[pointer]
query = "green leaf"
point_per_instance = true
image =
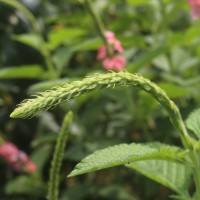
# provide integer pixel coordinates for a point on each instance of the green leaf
(173, 175)
(62, 57)
(162, 63)
(46, 85)
(60, 36)
(23, 71)
(138, 2)
(89, 44)
(193, 122)
(187, 84)
(173, 90)
(180, 39)
(25, 185)
(40, 157)
(32, 40)
(182, 60)
(125, 153)
(147, 57)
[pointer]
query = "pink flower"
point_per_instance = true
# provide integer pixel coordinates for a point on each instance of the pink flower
(195, 8)
(17, 159)
(115, 61)
(194, 2)
(31, 167)
(102, 53)
(110, 36)
(8, 151)
(118, 46)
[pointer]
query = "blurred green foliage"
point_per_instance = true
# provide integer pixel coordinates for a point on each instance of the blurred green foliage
(161, 42)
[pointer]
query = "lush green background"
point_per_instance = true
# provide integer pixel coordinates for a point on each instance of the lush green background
(161, 42)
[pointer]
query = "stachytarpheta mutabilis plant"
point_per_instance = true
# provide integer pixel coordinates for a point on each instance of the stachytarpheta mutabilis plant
(172, 166)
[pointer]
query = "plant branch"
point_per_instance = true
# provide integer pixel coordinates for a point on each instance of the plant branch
(99, 25)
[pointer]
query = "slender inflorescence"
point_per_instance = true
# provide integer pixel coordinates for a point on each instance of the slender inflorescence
(53, 97)
(57, 158)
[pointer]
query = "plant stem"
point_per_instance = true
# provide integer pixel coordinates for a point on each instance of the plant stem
(57, 158)
(187, 144)
(99, 25)
(48, 61)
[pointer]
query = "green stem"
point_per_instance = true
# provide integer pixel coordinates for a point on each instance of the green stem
(99, 25)
(193, 155)
(48, 61)
(54, 178)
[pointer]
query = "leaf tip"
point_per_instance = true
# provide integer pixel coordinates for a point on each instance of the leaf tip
(71, 174)
(75, 172)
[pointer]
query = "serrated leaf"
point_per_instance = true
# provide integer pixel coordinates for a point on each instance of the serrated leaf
(193, 122)
(23, 71)
(126, 153)
(173, 175)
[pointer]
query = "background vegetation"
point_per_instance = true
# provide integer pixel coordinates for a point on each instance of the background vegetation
(161, 42)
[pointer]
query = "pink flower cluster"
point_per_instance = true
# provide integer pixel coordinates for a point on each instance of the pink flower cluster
(195, 5)
(17, 159)
(116, 62)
